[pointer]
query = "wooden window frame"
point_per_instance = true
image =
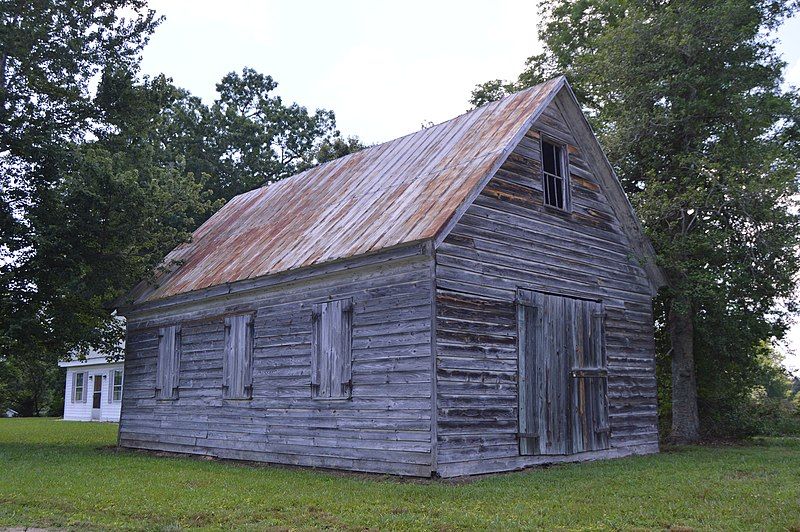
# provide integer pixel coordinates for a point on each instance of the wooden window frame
(345, 343)
(566, 185)
(245, 364)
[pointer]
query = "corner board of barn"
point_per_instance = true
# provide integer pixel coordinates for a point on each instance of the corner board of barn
(474, 297)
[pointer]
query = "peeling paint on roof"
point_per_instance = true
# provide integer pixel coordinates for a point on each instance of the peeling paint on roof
(402, 191)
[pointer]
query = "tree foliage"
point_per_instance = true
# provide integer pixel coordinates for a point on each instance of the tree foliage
(248, 137)
(330, 149)
(103, 171)
(687, 100)
(49, 54)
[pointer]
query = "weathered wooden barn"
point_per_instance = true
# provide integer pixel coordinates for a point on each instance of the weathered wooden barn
(472, 297)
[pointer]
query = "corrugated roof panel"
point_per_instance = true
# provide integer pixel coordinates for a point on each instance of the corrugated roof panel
(398, 192)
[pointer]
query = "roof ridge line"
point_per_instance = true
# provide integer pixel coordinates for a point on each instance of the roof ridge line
(369, 148)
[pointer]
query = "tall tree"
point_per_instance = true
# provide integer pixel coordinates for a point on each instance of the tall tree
(49, 53)
(248, 137)
(687, 98)
(330, 149)
(103, 171)
(85, 208)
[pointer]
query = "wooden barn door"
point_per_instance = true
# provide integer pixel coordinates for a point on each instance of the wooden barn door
(563, 405)
(588, 394)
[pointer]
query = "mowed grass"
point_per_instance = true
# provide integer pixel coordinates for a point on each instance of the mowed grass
(62, 474)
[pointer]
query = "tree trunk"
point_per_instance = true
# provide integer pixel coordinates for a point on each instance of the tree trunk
(685, 418)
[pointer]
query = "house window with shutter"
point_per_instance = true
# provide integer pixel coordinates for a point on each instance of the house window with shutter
(116, 385)
(555, 175)
(237, 366)
(169, 358)
(79, 387)
(331, 357)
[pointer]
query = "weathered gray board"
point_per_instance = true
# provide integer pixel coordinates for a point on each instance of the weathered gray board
(385, 427)
(508, 240)
(401, 420)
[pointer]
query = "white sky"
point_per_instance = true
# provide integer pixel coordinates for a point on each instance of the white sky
(384, 68)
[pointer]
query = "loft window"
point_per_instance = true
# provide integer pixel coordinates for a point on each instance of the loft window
(554, 173)
(331, 355)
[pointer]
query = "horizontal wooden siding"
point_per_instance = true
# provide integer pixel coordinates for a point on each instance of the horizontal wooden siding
(385, 427)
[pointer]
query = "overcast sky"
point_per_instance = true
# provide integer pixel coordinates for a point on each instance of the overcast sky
(384, 68)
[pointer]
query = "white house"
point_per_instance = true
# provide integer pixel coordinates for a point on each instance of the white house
(94, 388)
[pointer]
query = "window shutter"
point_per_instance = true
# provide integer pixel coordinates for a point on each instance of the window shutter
(328, 352)
(84, 393)
(316, 347)
(168, 366)
(74, 377)
(226, 358)
(331, 353)
(110, 387)
(345, 355)
(176, 363)
(247, 378)
(237, 370)
(164, 347)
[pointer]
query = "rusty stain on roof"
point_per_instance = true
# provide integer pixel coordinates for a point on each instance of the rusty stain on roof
(402, 191)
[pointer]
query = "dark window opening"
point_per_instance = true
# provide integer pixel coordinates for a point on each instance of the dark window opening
(553, 167)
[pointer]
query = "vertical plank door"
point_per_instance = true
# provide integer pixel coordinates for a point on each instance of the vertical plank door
(589, 423)
(563, 405)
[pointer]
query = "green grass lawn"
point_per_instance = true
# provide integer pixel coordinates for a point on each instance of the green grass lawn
(61, 474)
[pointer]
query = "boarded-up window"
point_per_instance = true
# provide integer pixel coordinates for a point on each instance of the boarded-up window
(554, 175)
(79, 387)
(169, 360)
(563, 379)
(331, 357)
(237, 365)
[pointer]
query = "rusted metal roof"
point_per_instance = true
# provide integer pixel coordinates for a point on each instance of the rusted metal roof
(402, 191)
